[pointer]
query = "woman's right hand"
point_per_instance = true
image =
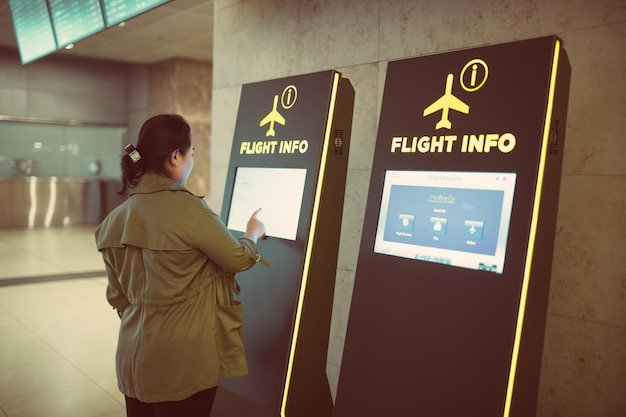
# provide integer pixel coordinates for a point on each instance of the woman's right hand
(255, 229)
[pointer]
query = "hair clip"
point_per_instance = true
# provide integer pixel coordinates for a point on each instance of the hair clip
(132, 152)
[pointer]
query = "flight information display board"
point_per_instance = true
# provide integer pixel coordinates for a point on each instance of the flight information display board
(74, 21)
(44, 26)
(33, 29)
(117, 11)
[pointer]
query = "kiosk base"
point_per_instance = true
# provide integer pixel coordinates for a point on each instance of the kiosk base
(230, 404)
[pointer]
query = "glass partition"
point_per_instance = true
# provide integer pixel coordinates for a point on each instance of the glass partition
(51, 150)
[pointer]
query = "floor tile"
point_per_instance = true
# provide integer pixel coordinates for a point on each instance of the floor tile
(117, 414)
(25, 352)
(37, 376)
(96, 366)
(48, 251)
(85, 339)
(57, 332)
(57, 335)
(78, 400)
(110, 386)
(12, 330)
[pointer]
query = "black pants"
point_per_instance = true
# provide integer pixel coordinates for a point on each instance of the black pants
(198, 405)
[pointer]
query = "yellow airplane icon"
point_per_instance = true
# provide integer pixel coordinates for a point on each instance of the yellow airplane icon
(445, 103)
(271, 118)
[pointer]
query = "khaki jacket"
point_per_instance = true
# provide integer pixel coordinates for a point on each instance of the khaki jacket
(171, 262)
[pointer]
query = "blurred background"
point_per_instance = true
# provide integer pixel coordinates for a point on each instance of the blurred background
(66, 115)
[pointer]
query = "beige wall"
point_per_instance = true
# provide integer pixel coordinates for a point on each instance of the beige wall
(584, 362)
(184, 87)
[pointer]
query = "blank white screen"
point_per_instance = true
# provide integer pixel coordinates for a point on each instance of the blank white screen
(277, 191)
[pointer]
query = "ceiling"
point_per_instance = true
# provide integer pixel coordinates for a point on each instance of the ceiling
(178, 29)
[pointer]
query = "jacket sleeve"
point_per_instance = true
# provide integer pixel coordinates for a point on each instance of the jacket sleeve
(215, 241)
(115, 295)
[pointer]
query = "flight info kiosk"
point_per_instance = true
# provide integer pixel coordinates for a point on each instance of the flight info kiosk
(451, 288)
(289, 158)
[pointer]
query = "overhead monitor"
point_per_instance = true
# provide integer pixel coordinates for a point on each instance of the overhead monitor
(74, 20)
(117, 11)
(44, 26)
(455, 218)
(277, 191)
(33, 29)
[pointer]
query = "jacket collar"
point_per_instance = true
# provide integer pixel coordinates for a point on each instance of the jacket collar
(152, 183)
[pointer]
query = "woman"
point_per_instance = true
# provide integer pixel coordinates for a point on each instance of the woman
(171, 262)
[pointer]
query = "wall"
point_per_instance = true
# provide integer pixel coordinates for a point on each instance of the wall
(71, 105)
(63, 89)
(584, 361)
(73, 91)
(184, 87)
(64, 114)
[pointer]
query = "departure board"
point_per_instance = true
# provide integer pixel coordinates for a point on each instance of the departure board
(117, 11)
(75, 20)
(44, 26)
(33, 29)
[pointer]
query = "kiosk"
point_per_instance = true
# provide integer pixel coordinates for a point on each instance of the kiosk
(289, 158)
(452, 280)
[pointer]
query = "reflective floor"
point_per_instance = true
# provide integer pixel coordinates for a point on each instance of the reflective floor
(57, 333)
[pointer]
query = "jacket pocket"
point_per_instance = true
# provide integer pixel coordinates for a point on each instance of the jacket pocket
(229, 338)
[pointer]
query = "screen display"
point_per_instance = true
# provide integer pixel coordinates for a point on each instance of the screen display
(117, 11)
(74, 21)
(455, 218)
(277, 191)
(33, 29)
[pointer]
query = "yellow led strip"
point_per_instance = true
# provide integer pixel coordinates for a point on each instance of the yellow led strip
(309, 246)
(533, 233)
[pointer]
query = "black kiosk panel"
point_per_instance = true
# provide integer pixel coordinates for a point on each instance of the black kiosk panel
(450, 294)
(289, 158)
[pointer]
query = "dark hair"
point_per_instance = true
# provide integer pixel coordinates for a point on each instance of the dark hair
(159, 136)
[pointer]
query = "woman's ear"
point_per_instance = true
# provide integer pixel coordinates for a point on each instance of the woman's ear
(175, 157)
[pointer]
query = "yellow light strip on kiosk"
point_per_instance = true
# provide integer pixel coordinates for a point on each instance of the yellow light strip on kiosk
(533, 233)
(309, 246)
